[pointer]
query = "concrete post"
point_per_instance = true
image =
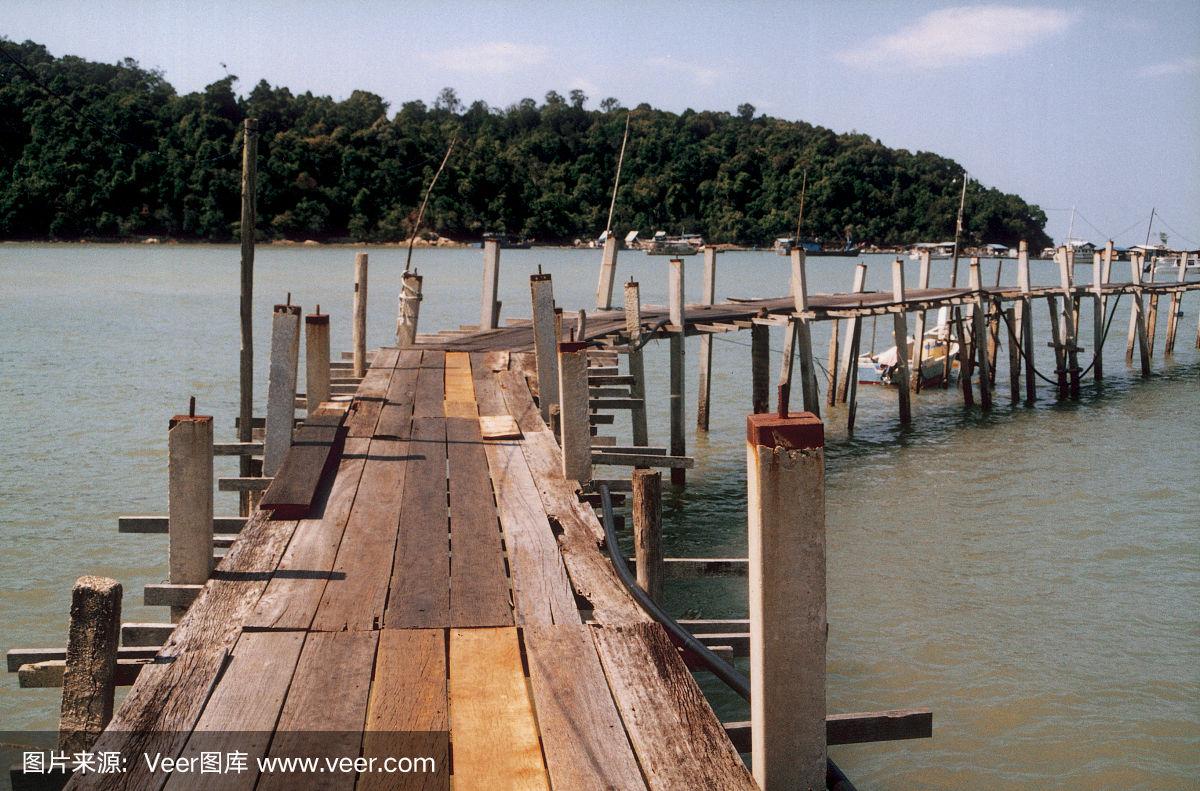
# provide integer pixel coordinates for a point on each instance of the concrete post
(573, 405)
(488, 311)
(190, 499)
(545, 341)
(89, 678)
(608, 273)
(316, 359)
(281, 385)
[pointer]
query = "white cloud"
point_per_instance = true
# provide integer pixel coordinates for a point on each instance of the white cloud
(490, 57)
(953, 35)
(1189, 65)
(704, 76)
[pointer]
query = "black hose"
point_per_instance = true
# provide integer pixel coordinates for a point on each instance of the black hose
(835, 779)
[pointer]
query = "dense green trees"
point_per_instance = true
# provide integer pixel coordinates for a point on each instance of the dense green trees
(99, 150)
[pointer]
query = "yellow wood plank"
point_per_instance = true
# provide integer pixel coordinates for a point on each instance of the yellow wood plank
(492, 726)
(499, 427)
(459, 400)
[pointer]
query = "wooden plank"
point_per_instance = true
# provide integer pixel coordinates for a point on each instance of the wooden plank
(356, 593)
(326, 707)
(678, 740)
(295, 590)
(541, 590)
(192, 658)
(244, 707)
(396, 413)
(420, 585)
(407, 709)
(315, 448)
(642, 460)
(584, 741)
(368, 402)
(486, 387)
(429, 397)
(499, 427)
(491, 716)
(479, 594)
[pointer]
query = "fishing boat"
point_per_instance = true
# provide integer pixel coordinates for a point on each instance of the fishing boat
(812, 249)
(937, 250)
(880, 369)
(661, 244)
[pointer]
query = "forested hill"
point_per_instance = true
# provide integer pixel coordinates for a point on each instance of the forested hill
(98, 150)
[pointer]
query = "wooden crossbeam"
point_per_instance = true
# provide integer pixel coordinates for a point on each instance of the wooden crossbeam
(642, 460)
(858, 728)
(158, 523)
(165, 594)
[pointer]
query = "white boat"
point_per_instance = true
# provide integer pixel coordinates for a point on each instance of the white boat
(880, 368)
(662, 244)
(937, 250)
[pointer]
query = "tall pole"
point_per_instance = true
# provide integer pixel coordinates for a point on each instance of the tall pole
(800, 219)
(958, 226)
(249, 174)
(612, 205)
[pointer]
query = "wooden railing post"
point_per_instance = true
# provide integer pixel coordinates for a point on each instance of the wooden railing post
(637, 368)
(647, 531)
(707, 297)
(545, 342)
(900, 333)
(409, 309)
(678, 437)
(785, 480)
(573, 405)
(488, 310)
(89, 677)
(358, 330)
(281, 385)
(316, 360)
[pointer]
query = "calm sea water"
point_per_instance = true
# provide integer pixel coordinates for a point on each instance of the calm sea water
(1032, 575)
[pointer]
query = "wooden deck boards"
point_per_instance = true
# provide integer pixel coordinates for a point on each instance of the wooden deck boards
(432, 603)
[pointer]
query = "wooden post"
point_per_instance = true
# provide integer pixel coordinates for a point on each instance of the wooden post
(995, 310)
(1014, 355)
(1025, 322)
(633, 327)
(1070, 321)
(1098, 312)
(678, 437)
(979, 333)
(1137, 316)
(89, 676)
(281, 386)
(1176, 306)
(316, 360)
(189, 500)
(246, 231)
(803, 334)
(608, 273)
(1060, 365)
(785, 482)
(707, 297)
(488, 311)
(760, 366)
(849, 379)
(647, 531)
(1152, 322)
(832, 363)
(573, 410)
(900, 332)
(581, 325)
(919, 332)
(410, 309)
(358, 330)
(545, 342)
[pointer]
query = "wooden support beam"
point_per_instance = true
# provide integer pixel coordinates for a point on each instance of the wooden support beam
(803, 334)
(545, 341)
(707, 297)
(832, 363)
(166, 594)
(89, 676)
(409, 309)
(919, 332)
(979, 334)
(858, 728)
(316, 360)
(637, 373)
(238, 484)
(237, 448)
(1065, 259)
(49, 674)
(643, 460)
(678, 440)
(1014, 355)
(573, 403)
(786, 506)
(647, 531)
(1099, 278)
(760, 367)
(900, 334)
(135, 634)
(16, 658)
(848, 392)
(358, 327)
(1137, 316)
(608, 273)
(189, 499)
(1024, 312)
(281, 385)
(159, 524)
(489, 308)
(1060, 364)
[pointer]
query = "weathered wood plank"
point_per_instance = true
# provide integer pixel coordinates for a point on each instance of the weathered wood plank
(314, 451)
(420, 584)
(430, 392)
(396, 413)
(326, 707)
(479, 594)
(677, 738)
(584, 740)
(491, 716)
(407, 710)
(356, 593)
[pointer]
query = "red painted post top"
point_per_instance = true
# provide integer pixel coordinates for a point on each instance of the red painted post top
(570, 347)
(188, 419)
(316, 318)
(797, 431)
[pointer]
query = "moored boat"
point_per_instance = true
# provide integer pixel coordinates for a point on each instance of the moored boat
(936, 363)
(662, 244)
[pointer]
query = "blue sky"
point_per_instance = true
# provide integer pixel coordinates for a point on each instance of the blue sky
(1092, 104)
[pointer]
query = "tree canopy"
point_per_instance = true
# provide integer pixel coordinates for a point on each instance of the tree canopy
(113, 151)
